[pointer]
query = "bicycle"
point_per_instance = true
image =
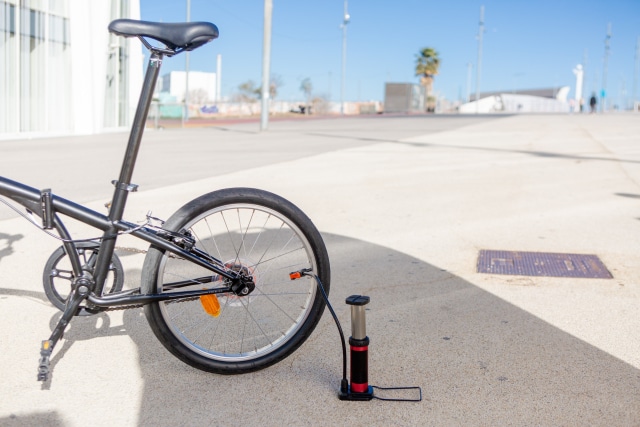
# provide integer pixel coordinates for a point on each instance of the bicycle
(215, 283)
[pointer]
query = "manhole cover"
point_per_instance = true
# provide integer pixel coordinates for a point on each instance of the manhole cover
(542, 264)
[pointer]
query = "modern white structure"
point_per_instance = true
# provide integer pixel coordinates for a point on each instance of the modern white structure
(524, 101)
(202, 86)
(579, 72)
(61, 72)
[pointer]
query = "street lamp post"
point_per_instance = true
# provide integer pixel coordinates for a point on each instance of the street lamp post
(186, 72)
(266, 64)
(345, 21)
(469, 66)
(605, 69)
(479, 67)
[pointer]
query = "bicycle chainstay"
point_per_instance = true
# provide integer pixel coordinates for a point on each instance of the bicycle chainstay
(128, 307)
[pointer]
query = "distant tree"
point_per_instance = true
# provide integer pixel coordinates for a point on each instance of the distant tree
(427, 66)
(275, 83)
(248, 92)
(320, 104)
(198, 96)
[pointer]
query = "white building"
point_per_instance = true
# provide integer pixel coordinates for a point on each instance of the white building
(61, 72)
(550, 100)
(202, 86)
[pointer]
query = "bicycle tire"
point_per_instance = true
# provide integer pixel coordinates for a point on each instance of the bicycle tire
(267, 236)
(57, 279)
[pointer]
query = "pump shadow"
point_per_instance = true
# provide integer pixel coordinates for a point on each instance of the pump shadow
(479, 360)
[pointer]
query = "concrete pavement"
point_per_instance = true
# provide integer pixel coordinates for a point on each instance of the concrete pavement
(404, 205)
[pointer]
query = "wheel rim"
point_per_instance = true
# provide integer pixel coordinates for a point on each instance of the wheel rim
(269, 246)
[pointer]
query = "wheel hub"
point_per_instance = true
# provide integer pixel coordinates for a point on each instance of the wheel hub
(245, 283)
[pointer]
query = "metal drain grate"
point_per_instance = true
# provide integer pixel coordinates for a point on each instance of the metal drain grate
(542, 264)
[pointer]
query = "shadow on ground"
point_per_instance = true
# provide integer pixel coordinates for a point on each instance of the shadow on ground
(45, 418)
(478, 359)
(6, 243)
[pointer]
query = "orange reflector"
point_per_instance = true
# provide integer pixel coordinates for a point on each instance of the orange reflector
(295, 275)
(210, 304)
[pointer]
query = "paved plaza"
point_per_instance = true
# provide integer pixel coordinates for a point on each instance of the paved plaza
(405, 205)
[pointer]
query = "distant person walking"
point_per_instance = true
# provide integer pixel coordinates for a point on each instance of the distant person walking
(592, 103)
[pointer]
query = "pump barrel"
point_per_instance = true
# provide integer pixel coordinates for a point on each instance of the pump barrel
(359, 343)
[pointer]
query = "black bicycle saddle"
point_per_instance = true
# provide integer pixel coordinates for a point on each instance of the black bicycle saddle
(179, 35)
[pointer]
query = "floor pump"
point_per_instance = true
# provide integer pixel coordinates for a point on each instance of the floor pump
(359, 389)
(359, 346)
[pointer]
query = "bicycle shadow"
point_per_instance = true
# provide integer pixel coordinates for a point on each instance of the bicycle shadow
(44, 418)
(81, 328)
(478, 358)
(6, 243)
(36, 296)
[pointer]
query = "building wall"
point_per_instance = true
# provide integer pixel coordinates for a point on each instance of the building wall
(34, 47)
(175, 84)
(61, 72)
(404, 98)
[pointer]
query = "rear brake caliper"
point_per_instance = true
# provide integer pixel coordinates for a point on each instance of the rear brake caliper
(184, 239)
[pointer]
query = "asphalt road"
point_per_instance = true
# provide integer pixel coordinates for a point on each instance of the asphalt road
(81, 167)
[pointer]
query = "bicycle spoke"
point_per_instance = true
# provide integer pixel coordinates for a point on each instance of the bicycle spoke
(256, 323)
(213, 238)
(279, 308)
(279, 256)
(63, 274)
(244, 234)
(262, 229)
(215, 332)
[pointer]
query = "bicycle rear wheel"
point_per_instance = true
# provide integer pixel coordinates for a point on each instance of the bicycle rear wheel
(263, 235)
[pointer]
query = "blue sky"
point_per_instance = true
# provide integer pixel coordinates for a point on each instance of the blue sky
(526, 44)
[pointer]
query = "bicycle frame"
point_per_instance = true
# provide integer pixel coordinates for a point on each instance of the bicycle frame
(47, 206)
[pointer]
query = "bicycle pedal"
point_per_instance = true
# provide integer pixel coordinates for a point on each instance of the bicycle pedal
(45, 360)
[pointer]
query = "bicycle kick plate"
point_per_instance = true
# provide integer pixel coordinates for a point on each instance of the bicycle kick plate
(541, 264)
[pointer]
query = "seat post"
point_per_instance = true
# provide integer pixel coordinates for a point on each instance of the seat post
(123, 185)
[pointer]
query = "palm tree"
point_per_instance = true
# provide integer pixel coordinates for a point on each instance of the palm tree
(427, 65)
